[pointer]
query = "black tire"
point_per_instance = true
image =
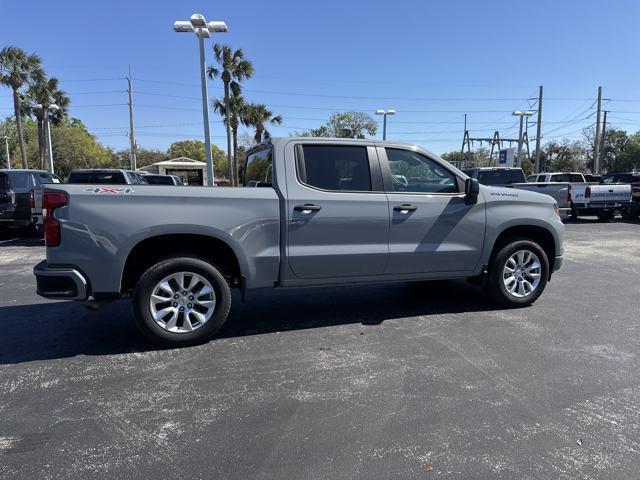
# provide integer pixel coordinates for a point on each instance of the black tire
(573, 214)
(494, 284)
(148, 281)
(606, 215)
(630, 213)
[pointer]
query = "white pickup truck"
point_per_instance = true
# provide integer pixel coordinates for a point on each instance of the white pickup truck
(578, 197)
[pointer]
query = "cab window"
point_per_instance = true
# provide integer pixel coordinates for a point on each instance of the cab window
(334, 167)
(258, 170)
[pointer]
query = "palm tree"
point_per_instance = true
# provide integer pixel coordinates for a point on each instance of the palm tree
(46, 93)
(16, 69)
(257, 116)
(237, 113)
(234, 68)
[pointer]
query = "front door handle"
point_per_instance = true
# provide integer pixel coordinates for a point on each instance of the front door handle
(405, 208)
(307, 208)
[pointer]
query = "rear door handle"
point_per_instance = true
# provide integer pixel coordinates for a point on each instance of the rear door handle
(405, 208)
(307, 208)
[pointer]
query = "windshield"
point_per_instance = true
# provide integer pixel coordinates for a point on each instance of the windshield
(501, 177)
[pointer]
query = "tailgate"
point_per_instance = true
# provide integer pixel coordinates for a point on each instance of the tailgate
(609, 194)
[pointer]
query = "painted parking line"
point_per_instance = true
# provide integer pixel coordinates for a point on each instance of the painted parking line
(10, 240)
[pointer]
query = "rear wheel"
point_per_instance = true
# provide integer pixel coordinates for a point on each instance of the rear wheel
(606, 215)
(630, 213)
(181, 301)
(518, 274)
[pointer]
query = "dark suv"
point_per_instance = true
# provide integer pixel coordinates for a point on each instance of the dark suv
(106, 176)
(21, 197)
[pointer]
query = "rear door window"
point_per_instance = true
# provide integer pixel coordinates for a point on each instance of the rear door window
(4, 181)
(21, 180)
(335, 168)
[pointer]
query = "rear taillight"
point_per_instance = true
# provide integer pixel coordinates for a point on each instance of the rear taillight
(32, 199)
(51, 201)
(587, 192)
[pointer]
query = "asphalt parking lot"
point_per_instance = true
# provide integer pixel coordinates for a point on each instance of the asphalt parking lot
(406, 381)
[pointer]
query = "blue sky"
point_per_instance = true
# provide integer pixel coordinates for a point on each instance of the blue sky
(431, 61)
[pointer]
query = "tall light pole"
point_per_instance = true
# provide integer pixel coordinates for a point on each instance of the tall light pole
(522, 115)
(6, 146)
(198, 25)
(384, 123)
(47, 128)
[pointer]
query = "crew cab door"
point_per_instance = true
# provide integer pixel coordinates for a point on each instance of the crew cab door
(433, 229)
(337, 211)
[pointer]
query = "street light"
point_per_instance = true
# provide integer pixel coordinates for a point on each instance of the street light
(522, 115)
(384, 124)
(6, 146)
(198, 25)
(47, 109)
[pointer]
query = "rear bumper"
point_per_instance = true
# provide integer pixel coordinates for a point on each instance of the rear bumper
(60, 282)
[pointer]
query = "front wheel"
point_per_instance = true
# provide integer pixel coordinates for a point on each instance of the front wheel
(181, 301)
(518, 274)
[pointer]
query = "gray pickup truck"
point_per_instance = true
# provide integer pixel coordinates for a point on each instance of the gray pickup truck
(318, 212)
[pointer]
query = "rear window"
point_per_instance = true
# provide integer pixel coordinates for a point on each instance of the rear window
(567, 177)
(159, 179)
(106, 178)
(501, 177)
(335, 167)
(258, 171)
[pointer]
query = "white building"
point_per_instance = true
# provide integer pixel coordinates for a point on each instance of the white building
(192, 172)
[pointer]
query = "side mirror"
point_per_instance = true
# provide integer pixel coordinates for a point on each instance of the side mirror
(471, 190)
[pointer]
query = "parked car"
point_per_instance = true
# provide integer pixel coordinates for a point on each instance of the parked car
(158, 179)
(633, 179)
(576, 197)
(21, 197)
(497, 176)
(328, 211)
(106, 176)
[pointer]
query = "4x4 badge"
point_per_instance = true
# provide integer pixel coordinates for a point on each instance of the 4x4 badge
(113, 191)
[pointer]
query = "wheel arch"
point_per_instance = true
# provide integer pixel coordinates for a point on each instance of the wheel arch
(150, 250)
(539, 234)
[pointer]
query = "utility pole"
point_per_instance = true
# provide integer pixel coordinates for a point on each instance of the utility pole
(132, 138)
(6, 146)
(538, 131)
(596, 143)
(604, 129)
(522, 115)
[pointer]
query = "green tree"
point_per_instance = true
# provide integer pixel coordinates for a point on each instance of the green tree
(195, 149)
(257, 116)
(72, 148)
(144, 157)
(234, 68)
(564, 156)
(45, 92)
(18, 68)
(236, 114)
(344, 125)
